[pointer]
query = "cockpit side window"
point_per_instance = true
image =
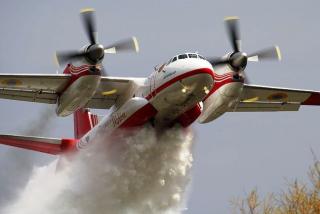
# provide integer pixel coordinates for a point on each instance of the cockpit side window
(161, 67)
(174, 59)
(192, 55)
(201, 57)
(183, 56)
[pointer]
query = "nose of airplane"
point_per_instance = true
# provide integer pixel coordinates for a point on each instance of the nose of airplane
(195, 84)
(198, 82)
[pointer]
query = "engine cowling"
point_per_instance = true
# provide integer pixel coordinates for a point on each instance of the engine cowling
(220, 101)
(77, 94)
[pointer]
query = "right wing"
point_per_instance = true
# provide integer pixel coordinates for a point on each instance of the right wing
(256, 98)
(276, 94)
(47, 88)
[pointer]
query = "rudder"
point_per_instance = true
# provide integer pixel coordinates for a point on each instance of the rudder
(84, 121)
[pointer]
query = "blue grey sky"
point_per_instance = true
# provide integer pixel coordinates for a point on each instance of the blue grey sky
(234, 154)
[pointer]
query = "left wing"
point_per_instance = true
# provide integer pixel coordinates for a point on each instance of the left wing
(47, 88)
(255, 98)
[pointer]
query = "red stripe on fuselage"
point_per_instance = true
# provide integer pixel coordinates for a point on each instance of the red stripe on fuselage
(140, 117)
(218, 83)
(178, 78)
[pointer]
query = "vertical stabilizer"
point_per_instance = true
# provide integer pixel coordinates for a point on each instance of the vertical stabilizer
(84, 121)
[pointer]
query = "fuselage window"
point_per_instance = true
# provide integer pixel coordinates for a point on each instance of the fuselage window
(192, 55)
(182, 56)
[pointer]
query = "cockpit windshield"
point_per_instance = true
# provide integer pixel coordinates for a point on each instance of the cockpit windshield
(192, 55)
(182, 56)
(185, 56)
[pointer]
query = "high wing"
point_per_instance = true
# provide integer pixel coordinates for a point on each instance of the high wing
(255, 98)
(47, 88)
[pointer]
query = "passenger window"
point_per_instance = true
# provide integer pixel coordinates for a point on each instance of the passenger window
(182, 56)
(192, 55)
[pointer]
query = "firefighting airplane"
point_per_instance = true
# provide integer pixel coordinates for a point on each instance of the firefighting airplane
(185, 89)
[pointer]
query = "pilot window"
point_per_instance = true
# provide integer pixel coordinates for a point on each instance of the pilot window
(182, 56)
(174, 59)
(201, 57)
(192, 55)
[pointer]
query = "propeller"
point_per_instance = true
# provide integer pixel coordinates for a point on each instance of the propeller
(94, 52)
(238, 59)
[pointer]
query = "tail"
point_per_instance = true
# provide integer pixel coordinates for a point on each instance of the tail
(84, 121)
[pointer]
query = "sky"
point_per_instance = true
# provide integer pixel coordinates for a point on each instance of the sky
(234, 154)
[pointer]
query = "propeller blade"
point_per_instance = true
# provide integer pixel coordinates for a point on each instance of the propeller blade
(272, 53)
(89, 24)
(125, 45)
(232, 25)
(67, 56)
(103, 72)
(218, 61)
(246, 79)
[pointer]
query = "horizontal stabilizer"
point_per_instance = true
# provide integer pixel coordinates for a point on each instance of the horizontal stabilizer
(52, 146)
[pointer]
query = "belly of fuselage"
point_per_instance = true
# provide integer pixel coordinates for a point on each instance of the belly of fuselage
(179, 95)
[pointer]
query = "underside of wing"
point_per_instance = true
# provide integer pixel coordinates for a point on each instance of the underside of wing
(33, 87)
(47, 88)
(49, 97)
(255, 98)
(274, 94)
(265, 107)
(111, 89)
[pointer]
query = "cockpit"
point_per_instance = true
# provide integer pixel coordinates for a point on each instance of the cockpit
(161, 67)
(185, 56)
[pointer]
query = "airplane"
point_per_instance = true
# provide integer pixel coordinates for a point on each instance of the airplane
(187, 88)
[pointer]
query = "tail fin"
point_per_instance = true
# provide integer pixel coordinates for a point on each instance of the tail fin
(84, 121)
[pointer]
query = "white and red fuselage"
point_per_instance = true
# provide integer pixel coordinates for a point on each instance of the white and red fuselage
(181, 91)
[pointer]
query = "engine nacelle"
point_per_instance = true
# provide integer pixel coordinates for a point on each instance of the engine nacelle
(220, 101)
(77, 94)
